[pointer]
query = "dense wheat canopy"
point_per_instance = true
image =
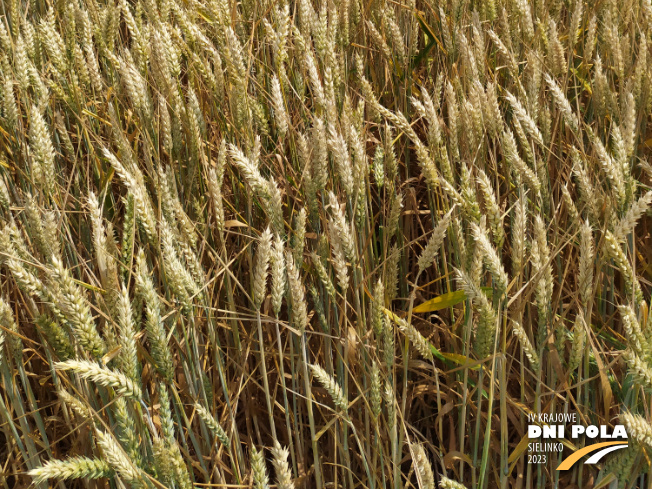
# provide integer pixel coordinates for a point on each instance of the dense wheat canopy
(322, 243)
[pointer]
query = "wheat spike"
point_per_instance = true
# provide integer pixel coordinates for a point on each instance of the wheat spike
(103, 376)
(446, 483)
(331, 386)
(118, 460)
(72, 468)
(638, 428)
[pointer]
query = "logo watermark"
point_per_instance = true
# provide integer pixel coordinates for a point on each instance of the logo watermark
(547, 431)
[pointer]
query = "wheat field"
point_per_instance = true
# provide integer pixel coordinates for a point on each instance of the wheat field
(322, 243)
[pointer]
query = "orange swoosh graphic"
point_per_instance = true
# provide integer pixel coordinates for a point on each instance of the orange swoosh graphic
(571, 459)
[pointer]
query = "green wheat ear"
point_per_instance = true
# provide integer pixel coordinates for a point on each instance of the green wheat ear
(72, 468)
(213, 425)
(331, 386)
